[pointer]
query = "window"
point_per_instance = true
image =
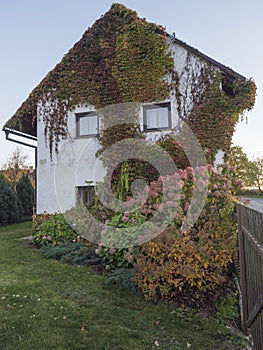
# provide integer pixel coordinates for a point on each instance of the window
(227, 87)
(157, 117)
(86, 195)
(87, 124)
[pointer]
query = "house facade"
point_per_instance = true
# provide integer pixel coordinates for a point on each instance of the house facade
(68, 126)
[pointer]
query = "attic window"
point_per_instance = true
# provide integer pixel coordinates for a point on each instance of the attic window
(157, 117)
(227, 87)
(87, 124)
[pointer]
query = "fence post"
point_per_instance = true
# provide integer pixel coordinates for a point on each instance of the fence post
(242, 259)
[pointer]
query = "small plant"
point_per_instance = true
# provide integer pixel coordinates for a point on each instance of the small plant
(74, 253)
(113, 258)
(51, 229)
(58, 251)
(122, 278)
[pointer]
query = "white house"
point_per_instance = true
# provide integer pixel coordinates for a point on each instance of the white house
(67, 177)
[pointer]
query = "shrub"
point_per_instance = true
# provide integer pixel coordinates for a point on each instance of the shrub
(78, 218)
(122, 278)
(9, 210)
(58, 251)
(75, 253)
(113, 258)
(121, 257)
(51, 229)
(80, 256)
(192, 267)
(25, 194)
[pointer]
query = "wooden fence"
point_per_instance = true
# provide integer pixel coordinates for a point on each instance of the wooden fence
(250, 240)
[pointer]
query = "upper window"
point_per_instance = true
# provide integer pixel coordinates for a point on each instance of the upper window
(157, 117)
(87, 124)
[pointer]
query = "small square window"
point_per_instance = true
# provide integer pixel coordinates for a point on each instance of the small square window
(87, 124)
(157, 117)
(86, 195)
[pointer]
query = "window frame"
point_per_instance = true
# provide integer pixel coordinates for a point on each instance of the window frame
(86, 115)
(166, 105)
(79, 196)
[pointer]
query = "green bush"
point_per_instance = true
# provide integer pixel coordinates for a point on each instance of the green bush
(79, 219)
(75, 253)
(122, 278)
(9, 209)
(25, 194)
(51, 229)
(120, 257)
(58, 251)
(113, 258)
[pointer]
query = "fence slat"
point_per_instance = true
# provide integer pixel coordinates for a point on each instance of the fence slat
(250, 241)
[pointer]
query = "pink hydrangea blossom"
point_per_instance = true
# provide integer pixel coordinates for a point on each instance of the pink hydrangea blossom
(187, 206)
(112, 250)
(125, 218)
(210, 167)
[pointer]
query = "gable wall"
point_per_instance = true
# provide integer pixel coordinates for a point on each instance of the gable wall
(76, 160)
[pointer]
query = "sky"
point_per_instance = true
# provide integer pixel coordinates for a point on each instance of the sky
(34, 36)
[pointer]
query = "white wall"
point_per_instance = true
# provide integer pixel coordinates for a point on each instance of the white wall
(72, 166)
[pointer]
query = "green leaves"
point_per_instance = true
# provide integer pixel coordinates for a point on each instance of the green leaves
(51, 229)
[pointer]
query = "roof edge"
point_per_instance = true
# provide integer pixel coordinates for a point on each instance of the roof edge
(200, 54)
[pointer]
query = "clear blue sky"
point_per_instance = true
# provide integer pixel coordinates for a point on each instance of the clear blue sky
(34, 35)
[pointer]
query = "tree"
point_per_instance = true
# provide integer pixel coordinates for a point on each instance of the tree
(256, 173)
(249, 171)
(240, 164)
(25, 194)
(9, 209)
(15, 166)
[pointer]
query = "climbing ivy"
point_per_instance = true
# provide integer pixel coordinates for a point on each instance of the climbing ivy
(213, 121)
(123, 58)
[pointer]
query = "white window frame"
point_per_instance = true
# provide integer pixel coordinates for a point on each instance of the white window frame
(147, 126)
(79, 117)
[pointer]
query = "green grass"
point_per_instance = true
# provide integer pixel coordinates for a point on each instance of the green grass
(48, 305)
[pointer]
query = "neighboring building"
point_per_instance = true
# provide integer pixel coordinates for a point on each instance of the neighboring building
(118, 60)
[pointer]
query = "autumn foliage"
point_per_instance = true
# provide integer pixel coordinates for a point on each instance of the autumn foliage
(189, 266)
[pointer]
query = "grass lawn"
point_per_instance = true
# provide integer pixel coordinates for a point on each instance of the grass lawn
(48, 305)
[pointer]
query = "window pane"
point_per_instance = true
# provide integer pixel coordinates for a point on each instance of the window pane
(151, 119)
(86, 195)
(157, 118)
(162, 117)
(88, 125)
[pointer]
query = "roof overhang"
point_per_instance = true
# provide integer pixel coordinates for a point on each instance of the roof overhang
(20, 138)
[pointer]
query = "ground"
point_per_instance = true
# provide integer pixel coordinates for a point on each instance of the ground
(45, 304)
